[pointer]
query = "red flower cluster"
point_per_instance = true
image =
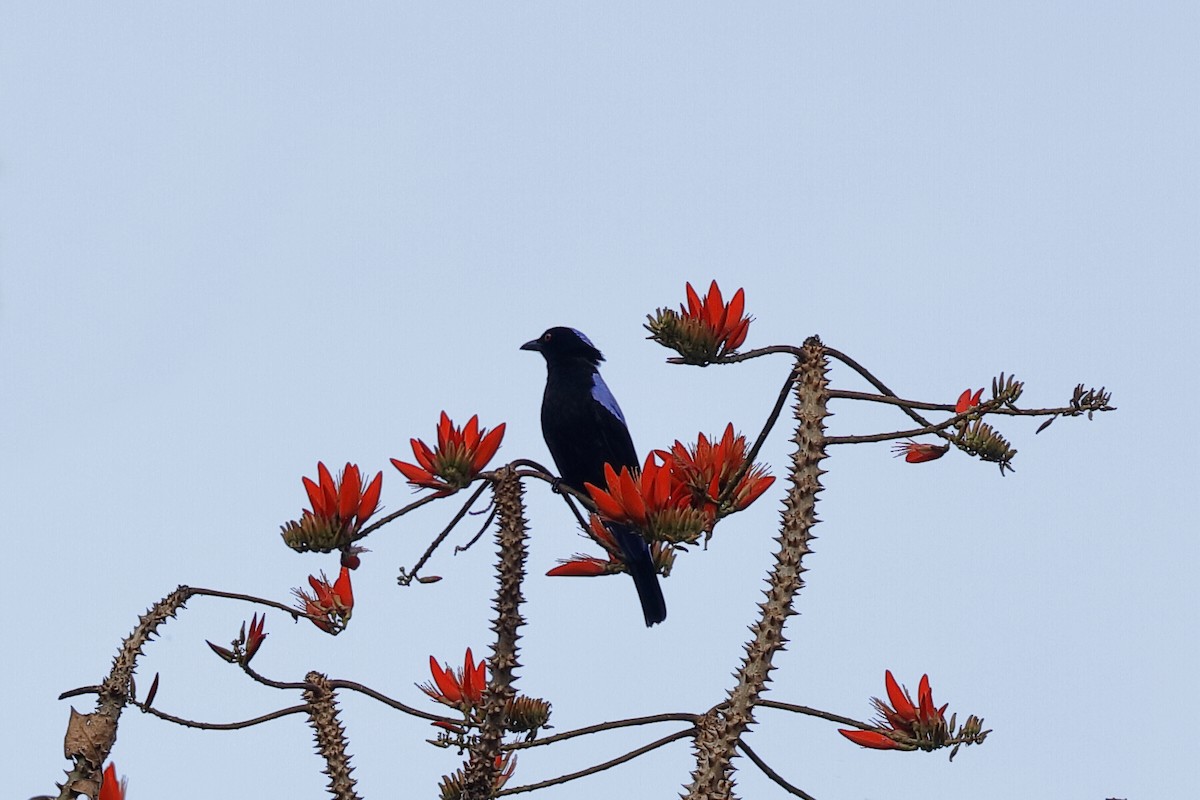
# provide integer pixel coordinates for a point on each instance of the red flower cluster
(460, 455)
(461, 689)
(339, 509)
(652, 500)
(584, 566)
(709, 469)
(921, 720)
(724, 322)
(704, 330)
(330, 605)
(110, 787)
(674, 501)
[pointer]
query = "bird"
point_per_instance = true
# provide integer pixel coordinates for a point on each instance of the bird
(584, 429)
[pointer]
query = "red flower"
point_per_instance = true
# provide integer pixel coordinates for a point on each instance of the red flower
(652, 500)
(461, 454)
(920, 721)
(244, 646)
(724, 322)
(708, 469)
(110, 787)
(339, 509)
(584, 566)
(330, 605)
(462, 689)
(256, 636)
(967, 401)
(705, 330)
(919, 452)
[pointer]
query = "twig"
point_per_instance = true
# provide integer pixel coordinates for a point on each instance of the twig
(772, 774)
(604, 726)
(529, 787)
(772, 418)
(222, 726)
(816, 712)
(413, 506)
(406, 576)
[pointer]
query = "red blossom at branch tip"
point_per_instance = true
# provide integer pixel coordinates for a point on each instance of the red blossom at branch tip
(255, 637)
(110, 787)
(460, 455)
(329, 606)
(461, 689)
(921, 721)
(724, 321)
(704, 329)
(708, 469)
(919, 452)
(652, 499)
(585, 566)
(967, 401)
(339, 510)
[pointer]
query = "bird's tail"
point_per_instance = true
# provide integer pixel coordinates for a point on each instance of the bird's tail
(641, 568)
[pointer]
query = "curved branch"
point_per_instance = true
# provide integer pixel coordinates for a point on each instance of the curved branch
(604, 726)
(406, 576)
(413, 506)
(529, 787)
(772, 774)
(772, 418)
(387, 701)
(222, 726)
(816, 712)
(871, 379)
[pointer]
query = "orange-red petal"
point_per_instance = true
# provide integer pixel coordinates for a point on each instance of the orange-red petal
(446, 683)
(605, 502)
(580, 568)
(370, 499)
(872, 739)
(488, 448)
(898, 697)
(343, 590)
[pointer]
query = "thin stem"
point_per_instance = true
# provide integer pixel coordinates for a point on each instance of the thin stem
(846, 394)
(878, 384)
(816, 712)
(529, 787)
(413, 506)
(772, 774)
(604, 726)
(295, 613)
(406, 576)
(222, 726)
(772, 418)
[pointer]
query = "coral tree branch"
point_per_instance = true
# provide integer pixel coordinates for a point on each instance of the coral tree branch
(722, 728)
(329, 735)
(483, 767)
(90, 737)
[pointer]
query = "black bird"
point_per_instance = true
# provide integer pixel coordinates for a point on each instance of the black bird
(585, 429)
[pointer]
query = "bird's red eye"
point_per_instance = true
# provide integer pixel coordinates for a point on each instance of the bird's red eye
(546, 337)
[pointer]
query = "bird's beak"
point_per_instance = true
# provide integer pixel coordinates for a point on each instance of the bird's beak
(534, 345)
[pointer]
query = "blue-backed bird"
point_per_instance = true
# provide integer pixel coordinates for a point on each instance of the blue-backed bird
(585, 429)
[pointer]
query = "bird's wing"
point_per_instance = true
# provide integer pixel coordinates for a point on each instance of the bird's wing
(615, 443)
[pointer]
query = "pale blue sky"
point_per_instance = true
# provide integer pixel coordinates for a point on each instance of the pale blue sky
(238, 238)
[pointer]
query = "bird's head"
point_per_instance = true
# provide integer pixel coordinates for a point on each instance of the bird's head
(563, 344)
